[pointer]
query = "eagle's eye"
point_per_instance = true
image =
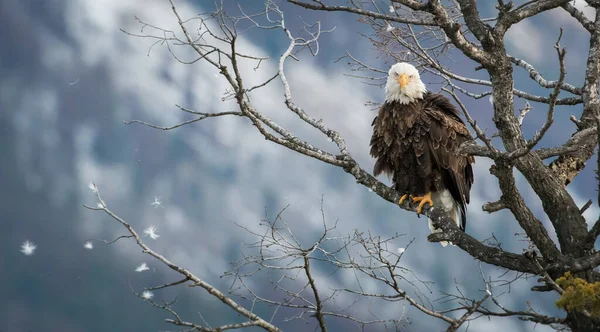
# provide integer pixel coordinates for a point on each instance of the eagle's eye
(395, 73)
(411, 76)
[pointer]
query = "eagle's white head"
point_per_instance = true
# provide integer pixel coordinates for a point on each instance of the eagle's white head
(404, 84)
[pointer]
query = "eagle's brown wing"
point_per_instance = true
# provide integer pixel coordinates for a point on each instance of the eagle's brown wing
(386, 145)
(445, 133)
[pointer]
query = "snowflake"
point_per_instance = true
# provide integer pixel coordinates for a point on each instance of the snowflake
(389, 28)
(28, 248)
(156, 202)
(491, 100)
(392, 9)
(151, 232)
(93, 187)
(101, 205)
(147, 295)
(88, 245)
(401, 250)
(143, 267)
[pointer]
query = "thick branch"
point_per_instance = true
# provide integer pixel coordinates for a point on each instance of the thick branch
(580, 140)
(466, 242)
(453, 31)
(473, 21)
(359, 11)
(525, 315)
(413, 4)
(579, 16)
(557, 202)
(515, 16)
(594, 232)
(533, 227)
(475, 248)
(567, 166)
(575, 265)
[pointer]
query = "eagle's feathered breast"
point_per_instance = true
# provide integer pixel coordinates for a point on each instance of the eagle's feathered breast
(415, 144)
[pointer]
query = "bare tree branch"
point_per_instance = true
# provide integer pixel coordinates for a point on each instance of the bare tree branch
(536, 76)
(184, 272)
(320, 6)
(567, 166)
(580, 140)
(550, 117)
(519, 14)
(579, 16)
(318, 303)
(200, 118)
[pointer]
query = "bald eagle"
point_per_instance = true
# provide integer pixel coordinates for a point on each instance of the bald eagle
(415, 137)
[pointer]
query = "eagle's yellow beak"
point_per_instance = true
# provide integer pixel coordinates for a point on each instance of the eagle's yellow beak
(402, 80)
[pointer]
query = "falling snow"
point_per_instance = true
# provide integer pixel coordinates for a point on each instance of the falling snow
(151, 232)
(491, 100)
(401, 250)
(88, 245)
(392, 9)
(143, 267)
(389, 28)
(28, 248)
(93, 187)
(147, 295)
(156, 202)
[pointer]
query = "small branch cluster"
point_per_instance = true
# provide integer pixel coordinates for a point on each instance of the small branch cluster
(280, 257)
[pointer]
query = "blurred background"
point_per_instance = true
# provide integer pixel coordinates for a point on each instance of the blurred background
(69, 77)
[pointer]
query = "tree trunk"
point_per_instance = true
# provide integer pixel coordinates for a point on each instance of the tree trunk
(578, 322)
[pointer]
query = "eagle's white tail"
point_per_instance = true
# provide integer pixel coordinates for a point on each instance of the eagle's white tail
(444, 200)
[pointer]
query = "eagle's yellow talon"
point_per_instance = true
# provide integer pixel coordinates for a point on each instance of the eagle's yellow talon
(422, 201)
(402, 199)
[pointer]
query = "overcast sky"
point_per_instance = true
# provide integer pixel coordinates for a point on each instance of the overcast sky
(69, 79)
